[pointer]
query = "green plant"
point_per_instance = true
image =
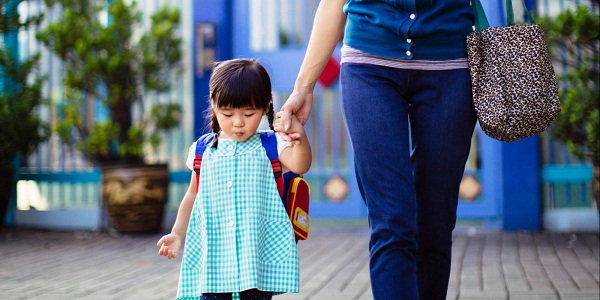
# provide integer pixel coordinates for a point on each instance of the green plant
(21, 127)
(573, 40)
(20, 95)
(107, 60)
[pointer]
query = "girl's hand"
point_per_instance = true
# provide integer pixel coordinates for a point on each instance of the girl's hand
(169, 245)
(298, 157)
(295, 130)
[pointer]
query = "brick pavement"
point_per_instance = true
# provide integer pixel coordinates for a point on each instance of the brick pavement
(497, 265)
(487, 264)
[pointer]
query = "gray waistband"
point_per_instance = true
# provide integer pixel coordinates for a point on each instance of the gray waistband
(351, 55)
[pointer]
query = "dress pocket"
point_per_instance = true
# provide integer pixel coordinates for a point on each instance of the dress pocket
(275, 241)
(192, 258)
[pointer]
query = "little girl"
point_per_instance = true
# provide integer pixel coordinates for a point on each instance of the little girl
(239, 239)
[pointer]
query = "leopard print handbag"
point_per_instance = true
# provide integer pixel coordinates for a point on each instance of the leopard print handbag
(514, 87)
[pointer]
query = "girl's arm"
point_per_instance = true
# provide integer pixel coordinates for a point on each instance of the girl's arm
(171, 243)
(185, 208)
(298, 156)
(328, 27)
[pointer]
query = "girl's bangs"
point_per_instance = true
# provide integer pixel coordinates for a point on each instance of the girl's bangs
(233, 97)
(243, 89)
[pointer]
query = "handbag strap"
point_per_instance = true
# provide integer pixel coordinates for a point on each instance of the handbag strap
(510, 20)
(481, 21)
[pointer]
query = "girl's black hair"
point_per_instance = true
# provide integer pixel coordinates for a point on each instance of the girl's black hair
(239, 83)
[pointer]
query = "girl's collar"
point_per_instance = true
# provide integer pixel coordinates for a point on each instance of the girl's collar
(221, 138)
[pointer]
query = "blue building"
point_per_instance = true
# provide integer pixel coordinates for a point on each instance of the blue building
(531, 184)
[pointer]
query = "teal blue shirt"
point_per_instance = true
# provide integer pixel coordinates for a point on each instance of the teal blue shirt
(409, 29)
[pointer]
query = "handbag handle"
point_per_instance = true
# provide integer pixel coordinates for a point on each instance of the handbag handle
(510, 20)
(481, 21)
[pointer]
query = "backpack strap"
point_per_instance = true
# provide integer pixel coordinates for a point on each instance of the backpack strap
(201, 144)
(269, 142)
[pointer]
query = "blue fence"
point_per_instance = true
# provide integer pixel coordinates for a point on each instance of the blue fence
(566, 181)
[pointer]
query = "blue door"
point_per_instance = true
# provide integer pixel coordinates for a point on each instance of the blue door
(479, 193)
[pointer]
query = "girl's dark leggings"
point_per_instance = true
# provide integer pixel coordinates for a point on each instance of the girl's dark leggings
(252, 294)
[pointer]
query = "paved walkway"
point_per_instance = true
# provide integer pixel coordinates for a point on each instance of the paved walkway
(334, 265)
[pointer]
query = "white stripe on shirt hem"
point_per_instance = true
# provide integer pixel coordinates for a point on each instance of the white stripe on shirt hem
(351, 55)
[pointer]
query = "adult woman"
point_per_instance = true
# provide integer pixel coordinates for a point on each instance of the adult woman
(407, 104)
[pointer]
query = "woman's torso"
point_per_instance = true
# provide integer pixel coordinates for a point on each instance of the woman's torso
(409, 29)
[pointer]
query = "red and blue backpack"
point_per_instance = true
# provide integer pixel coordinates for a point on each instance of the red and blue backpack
(293, 189)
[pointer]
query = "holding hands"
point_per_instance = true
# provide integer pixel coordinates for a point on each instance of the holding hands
(289, 123)
(295, 110)
(295, 129)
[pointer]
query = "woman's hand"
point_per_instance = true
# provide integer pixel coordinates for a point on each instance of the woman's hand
(298, 104)
(295, 129)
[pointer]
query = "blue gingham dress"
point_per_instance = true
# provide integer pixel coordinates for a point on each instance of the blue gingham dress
(239, 236)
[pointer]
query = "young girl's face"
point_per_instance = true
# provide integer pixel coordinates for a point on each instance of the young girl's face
(238, 124)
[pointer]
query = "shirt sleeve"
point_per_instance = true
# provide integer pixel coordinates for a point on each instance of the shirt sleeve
(189, 162)
(281, 144)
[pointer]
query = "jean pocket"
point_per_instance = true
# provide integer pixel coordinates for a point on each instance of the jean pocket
(274, 241)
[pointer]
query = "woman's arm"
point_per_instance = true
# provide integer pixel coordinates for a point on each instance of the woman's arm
(327, 30)
(328, 27)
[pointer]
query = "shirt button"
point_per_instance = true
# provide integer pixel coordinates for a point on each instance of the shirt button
(408, 53)
(412, 16)
(229, 183)
(409, 41)
(230, 147)
(231, 223)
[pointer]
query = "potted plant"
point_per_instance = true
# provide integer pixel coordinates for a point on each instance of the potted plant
(107, 59)
(20, 98)
(578, 126)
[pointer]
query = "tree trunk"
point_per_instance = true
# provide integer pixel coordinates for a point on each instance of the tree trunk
(121, 114)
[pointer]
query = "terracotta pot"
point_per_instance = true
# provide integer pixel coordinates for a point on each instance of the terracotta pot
(135, 196)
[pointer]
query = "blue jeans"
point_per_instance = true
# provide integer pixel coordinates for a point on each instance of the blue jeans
(411, 133)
